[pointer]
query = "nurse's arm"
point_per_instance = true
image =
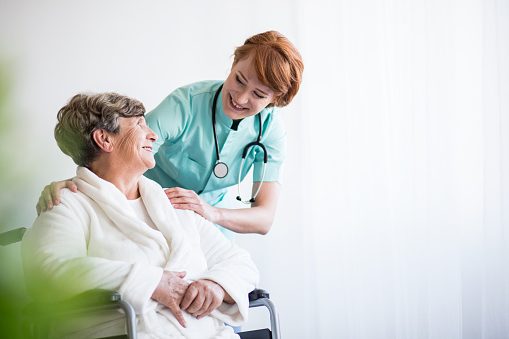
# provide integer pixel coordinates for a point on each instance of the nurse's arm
(258, 218)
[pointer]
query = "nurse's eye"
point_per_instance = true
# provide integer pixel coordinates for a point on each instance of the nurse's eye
(238, 80)
(259, 96)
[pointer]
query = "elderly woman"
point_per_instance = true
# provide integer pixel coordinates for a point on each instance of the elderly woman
(120, 232)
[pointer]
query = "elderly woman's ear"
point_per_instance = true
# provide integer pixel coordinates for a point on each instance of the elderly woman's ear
(103, 140)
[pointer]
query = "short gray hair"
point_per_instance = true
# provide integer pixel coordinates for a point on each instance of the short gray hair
(86, 113)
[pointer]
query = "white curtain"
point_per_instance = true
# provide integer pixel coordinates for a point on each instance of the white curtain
(398, 195)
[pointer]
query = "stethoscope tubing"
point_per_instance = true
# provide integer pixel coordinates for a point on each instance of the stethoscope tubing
(220, 167)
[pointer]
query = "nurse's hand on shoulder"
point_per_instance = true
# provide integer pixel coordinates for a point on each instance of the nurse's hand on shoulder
(50, 195)
(184, 199)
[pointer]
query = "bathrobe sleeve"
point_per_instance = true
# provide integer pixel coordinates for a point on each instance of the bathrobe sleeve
(56, 262)
(231, 267)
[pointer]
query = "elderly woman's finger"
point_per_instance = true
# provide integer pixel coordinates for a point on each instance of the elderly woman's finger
(197, 303)
(175, 310)
(189, 297)
(204, 310)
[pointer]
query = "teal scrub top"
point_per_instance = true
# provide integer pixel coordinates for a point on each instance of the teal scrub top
(185, 151)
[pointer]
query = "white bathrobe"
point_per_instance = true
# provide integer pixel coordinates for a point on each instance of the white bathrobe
(94, 239)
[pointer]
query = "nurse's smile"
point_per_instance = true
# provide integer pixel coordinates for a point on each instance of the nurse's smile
(236, 106)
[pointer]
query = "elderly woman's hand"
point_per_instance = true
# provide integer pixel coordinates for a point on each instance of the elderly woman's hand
(202, 297)
(50, 195)
(184, 199)
(170, 292)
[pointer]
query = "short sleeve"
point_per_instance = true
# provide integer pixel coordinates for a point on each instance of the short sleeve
(274, 140)
(169, 118)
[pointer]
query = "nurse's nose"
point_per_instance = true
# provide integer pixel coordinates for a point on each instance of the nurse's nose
(243, 97)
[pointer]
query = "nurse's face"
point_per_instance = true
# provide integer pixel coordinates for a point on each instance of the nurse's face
(243, 93)
(134, 143)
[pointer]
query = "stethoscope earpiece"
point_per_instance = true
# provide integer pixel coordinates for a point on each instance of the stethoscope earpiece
(220, 169)
(250, 200)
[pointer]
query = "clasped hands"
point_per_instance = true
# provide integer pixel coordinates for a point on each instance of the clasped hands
(198, 298)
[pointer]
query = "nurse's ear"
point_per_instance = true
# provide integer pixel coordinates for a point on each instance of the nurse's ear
(103, 140)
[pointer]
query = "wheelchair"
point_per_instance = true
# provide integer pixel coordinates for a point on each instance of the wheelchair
(38, 315)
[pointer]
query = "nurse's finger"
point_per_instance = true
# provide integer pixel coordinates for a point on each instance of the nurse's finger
(185, 200)
(71, 185)
(41, 205)
(56, 186)
(176, 189)
(47, 198)
(173, 192)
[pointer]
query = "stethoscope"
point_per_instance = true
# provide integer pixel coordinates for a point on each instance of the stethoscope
(221, 169)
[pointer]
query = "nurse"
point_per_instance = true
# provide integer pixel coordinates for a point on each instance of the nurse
(211, 133)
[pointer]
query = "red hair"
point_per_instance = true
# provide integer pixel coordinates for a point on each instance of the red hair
(277, 62)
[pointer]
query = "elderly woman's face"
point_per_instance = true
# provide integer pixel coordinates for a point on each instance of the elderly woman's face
(134, 143)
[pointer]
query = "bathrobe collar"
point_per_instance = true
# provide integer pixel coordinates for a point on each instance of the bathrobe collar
(116, 206)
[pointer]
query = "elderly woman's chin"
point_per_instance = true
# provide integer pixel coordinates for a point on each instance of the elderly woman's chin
(143, 161)
(151, 165)
(149, 162)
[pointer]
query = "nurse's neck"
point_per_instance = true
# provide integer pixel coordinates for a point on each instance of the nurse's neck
(235, 124)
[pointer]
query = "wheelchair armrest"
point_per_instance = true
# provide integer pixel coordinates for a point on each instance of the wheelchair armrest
(86, 300)
(257, 298)
(258, 294)
(12, 236)
(95, 297)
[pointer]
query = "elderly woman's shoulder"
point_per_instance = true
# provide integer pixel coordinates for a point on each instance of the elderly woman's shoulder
(70, 199)
(188, 216)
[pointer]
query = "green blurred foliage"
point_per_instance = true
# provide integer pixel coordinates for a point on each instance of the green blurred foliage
(12, 292)
(16, 308)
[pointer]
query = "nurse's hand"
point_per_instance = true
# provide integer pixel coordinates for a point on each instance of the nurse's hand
(50, 195)
(170, 291)
(183, 199)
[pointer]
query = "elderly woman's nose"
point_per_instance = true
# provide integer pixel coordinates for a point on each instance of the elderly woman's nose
(151, 135)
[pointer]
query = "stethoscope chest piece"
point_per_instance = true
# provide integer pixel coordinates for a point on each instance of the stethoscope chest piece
(220, 169)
